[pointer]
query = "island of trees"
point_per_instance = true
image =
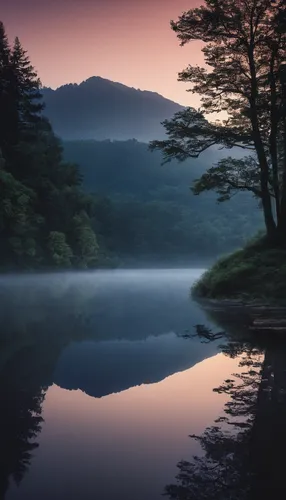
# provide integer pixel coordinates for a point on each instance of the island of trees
(244, 78)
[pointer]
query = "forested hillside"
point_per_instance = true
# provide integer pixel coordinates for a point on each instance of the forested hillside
(146, 211)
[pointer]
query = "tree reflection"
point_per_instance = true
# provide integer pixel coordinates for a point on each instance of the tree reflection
(242, 453)
(20, 420)
(30, 345)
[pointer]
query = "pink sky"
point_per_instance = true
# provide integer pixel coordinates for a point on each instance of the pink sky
(129, 41)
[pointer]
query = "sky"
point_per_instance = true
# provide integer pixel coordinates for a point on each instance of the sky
(128, 41)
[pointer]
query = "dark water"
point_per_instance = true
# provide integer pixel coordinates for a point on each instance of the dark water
(105, 375)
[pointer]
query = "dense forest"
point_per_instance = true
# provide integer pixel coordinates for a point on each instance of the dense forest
(44, 214)
(146, 211)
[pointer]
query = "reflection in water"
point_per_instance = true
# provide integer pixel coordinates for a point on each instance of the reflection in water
(243, 450)
(125, 445)
(103, 305)
(20, 422)
(25, 374)
(65, 329)
(102, 368)
(99, 390)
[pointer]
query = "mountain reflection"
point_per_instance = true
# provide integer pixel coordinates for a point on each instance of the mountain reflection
(102, 368)
(34, 331)
(20, 416)
(52, 332)
(66, 334)
(242, 453)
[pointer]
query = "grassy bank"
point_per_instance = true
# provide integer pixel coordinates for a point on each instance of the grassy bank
(256, 272)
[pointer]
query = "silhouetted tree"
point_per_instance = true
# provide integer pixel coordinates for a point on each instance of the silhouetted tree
(5, 103)
(244, 49)
(44, 218)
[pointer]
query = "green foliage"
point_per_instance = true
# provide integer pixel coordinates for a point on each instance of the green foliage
(230, 176)
(244, 47)
(60, 252)
(144, 211)
(18, 223)
(41, 221)
(256, 272)
(87, 249)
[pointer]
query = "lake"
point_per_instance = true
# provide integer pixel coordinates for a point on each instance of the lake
(104, 377)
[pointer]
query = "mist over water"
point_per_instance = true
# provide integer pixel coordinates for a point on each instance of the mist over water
(105, 375)
(94, 366)
(117, 303)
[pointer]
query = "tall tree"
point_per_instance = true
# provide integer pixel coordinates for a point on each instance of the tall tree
(42, 206)
(244, 51)
(5, 102)
(25, 86)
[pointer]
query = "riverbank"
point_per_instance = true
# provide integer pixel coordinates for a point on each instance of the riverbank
(256, 273)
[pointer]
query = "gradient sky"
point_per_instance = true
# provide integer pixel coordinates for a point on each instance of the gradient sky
(129, 41)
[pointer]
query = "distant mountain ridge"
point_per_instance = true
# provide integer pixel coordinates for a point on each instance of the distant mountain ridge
(102, 109)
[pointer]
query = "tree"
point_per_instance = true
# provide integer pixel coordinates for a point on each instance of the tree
(25, 87)
(5, 116)
(60, 252)
(245, 49)
(18, 222)
(87, 249)
(40, 193)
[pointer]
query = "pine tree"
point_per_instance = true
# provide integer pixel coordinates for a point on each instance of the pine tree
(41, 199)
(5, 102)
(4, 51)
(26, 91)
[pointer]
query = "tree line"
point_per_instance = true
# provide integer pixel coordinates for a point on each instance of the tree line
(145, 212)
(44, 214)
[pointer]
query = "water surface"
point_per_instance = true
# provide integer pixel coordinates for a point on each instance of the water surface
(103, 380)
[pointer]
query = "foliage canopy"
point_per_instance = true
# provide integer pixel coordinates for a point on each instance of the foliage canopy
(245, 77)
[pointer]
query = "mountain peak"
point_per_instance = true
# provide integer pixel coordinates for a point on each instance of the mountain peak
(98, 108)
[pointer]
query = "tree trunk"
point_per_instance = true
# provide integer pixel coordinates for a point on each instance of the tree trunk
(282, 218)
(270, 224)
(271, 228)
(274, 119)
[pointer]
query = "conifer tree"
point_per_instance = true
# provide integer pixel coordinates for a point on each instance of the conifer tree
(5, 102)
(41, 200)
(26, 91)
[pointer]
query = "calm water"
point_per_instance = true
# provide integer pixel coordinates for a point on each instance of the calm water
(105, 375)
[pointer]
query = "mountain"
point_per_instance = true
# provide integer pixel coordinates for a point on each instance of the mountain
(101, 109)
